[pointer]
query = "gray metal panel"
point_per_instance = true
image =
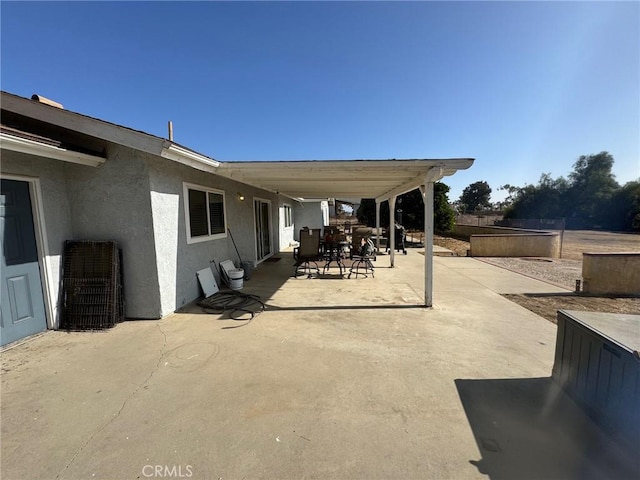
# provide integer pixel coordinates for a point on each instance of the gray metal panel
(600, 372)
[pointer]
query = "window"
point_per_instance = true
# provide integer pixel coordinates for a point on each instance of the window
(288, 216)
(205, 213)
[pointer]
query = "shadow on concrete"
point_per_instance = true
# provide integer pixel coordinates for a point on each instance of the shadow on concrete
(341, 307)
(199, 308)
(527, 428)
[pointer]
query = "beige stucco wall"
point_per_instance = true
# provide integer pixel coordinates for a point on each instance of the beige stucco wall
(468, 230)
(611, 273)
(518, 245)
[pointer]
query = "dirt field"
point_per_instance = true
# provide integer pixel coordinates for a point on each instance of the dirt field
(575, 242)
(548, 305)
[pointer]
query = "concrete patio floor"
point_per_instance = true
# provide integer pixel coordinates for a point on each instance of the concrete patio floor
(336, 379)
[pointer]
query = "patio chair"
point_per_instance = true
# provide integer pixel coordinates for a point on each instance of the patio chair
(362, 260)
(331, 230)
(356, 240)
(308, 253)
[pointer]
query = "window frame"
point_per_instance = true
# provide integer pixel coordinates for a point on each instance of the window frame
(187, 217)
(285, 207)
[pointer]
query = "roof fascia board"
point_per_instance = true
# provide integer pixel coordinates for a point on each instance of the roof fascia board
(83, 124)
(435, 173)
(291, 169)
(108, 131)
(23, 145)
(311, 164)
(399, 190)
(174, 152)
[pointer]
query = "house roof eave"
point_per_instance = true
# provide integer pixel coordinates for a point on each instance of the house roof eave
(111, 132)
(38, 148)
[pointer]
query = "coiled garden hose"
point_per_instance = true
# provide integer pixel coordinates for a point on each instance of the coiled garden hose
(237, 303)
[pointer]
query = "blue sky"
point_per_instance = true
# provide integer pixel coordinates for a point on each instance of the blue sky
(523, 87)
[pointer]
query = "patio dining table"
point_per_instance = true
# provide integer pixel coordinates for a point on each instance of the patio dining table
(333, 251)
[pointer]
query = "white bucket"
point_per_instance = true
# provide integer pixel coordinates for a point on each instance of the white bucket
(236, 278)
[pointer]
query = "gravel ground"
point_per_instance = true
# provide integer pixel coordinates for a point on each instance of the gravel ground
(560, 272)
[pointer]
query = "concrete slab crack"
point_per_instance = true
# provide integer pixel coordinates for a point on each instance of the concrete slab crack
(122, 407)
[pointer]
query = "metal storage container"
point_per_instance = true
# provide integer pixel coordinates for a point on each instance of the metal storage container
(597, 364)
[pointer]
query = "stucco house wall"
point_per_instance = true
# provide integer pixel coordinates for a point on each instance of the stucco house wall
(309, 214)
(112, 202)
(178, 261)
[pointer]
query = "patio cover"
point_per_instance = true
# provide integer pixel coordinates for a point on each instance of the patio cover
(354, 179)
(382, 180)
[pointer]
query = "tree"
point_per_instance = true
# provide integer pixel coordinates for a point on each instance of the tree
(624, 208)
(544, 200)
(592, 185)
(476, 196)
(366, 212)
(412, 206)
(590, 198)
(444, 217)
(512, 192)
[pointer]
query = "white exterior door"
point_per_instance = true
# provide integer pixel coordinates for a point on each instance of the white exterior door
(286, 226)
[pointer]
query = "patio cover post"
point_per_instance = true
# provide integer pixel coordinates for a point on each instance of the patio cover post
(392, 229)
(427, 196)
(377, 225)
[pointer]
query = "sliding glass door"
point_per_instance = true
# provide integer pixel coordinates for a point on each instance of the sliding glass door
(262, 215)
